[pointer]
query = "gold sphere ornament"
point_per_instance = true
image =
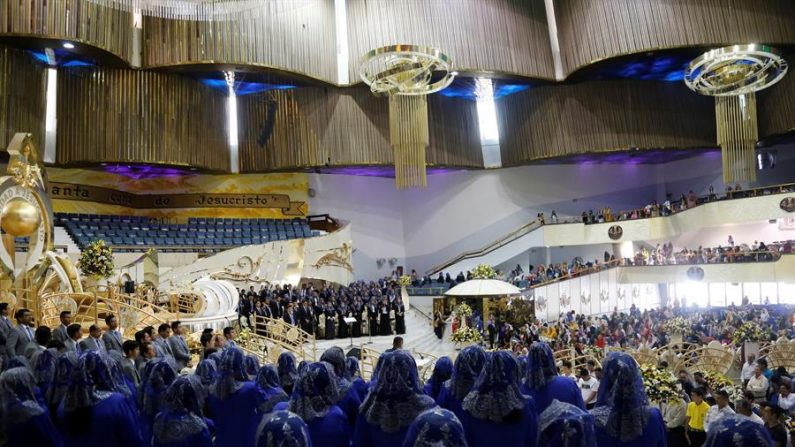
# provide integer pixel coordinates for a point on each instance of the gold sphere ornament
(20, 218)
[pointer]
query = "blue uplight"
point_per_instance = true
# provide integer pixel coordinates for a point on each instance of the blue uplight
(465, 88)
(245, 88)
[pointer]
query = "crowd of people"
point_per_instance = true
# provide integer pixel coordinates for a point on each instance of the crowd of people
(377, 308)
(91, 398)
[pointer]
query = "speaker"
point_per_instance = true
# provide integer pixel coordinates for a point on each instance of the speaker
(354, 352)
(129, 287)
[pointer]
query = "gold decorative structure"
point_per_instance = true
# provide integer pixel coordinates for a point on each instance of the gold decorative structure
(406, 73)
(337, 257)
(733, 75)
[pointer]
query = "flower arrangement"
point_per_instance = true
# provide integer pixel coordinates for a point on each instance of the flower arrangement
(404, 281)
(717, 381)
(749, 331)
(466, 335)
(661, 384)
(676, 325)
(594, 351)
(484, 271)
(462, 310)
(96, 260)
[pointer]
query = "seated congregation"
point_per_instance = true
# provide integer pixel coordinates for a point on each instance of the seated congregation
(97, 398)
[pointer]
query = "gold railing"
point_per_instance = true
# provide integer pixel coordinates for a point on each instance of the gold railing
(486, 249)
(285, 336)
(369, 358)
(779, 354)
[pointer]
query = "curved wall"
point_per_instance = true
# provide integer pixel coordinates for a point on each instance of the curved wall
(502, 36)
(592, 30)
(22, 97)
(106, 28)
(776, 108)
(603, 116)
(297, 37)
(114, 115)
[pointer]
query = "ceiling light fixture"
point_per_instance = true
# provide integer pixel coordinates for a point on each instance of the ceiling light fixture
(68, 45)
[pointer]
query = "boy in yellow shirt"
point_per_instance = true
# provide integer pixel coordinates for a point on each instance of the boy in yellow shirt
(694, 418)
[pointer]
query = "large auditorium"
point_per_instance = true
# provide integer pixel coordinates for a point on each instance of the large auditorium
(397, 223)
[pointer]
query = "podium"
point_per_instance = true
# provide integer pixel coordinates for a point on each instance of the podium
(349, 321)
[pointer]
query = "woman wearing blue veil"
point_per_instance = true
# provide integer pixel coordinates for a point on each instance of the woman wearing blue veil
(622, 413)
(348, 399)
(43, 366)
(392, 404)
(268, 383)
(251, 363)
(158, 375)
(566, 425)
(283, 429)
(436, 427)
(357, 383)
(442, 371)
(24, 420)
(288, 374)
(736, 431)
(495, 411)
(181, 423)
(61, 379)
(95, 410)
(466, 370)
(207, 371)
(235, 402)
(543, 383)
(314, 400)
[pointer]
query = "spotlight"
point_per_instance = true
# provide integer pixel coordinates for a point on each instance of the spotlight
(68, 45)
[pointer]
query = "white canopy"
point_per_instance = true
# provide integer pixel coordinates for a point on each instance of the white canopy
(484, 287)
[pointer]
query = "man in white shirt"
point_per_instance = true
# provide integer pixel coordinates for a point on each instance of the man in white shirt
(748, 369)
(786, 400)
(588, 386)
(719, 410)
(746, 410)
(758, 383)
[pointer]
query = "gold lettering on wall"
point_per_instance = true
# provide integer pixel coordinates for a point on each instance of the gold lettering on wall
(70, 191)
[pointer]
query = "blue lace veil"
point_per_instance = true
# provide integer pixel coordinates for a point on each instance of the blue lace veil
(335, 357)
(565, 425)
(43, 365)
(436, 427)
(396, 399)
(466, 370)
(283, 429)
(181, 416)
(288, 374)
(522, 361)
(442, 371)
(622, 408)
(496, 393)
(18, 396)
(114, 360)
(231, 374)
(268, 382)
(352, 365)
(736, 431)
(302, 366)
(158, 376)
(15, 362)
(92, 382)
(62, 378)
(540, 366)
(207, 372)
(251, 364)
(315, 392)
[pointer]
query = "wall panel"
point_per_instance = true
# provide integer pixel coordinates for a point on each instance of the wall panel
(314, 127)
(114, 115)
(22, 97)
(506, 36)
(776, 107)
(604, 116)
(592, 30)
(296, 36)
(107, 28)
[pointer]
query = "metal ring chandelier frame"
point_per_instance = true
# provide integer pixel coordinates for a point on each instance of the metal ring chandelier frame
(406, 70)
(735, 70)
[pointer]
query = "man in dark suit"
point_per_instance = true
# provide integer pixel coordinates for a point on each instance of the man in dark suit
(93, 342)
(289, 316)
(162, 349)
(18, 339)
(60, 332)
(112, 337)
(5, 330)
(131, 351)
(307, 317)
(397, 344)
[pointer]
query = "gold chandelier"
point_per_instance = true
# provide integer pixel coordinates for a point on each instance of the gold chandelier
(733, 75)
(407, 74)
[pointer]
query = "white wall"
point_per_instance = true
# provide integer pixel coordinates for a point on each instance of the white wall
(373, 207)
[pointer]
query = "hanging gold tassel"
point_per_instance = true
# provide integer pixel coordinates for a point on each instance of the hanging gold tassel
(737, 136)
(408, 135)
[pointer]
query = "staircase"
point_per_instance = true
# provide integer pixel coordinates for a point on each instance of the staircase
(62, 238)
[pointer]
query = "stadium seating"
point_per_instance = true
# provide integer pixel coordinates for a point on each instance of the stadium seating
(199, 234)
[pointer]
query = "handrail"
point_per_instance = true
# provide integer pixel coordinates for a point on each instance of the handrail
(501, 242)
(286, 335)
(754, 192)
(620, 263)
